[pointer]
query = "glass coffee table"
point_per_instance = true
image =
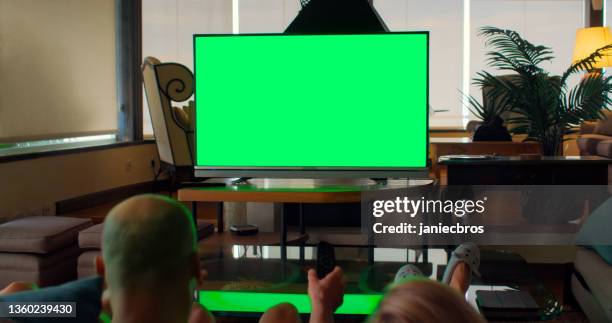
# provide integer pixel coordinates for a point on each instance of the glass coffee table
(246, 280)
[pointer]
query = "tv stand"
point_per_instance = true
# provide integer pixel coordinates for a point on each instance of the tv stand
(380, 180)
(321, 183)
(241, 181)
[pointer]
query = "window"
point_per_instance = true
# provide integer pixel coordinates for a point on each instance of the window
(57, 69)
(266, 16)
(444, 20)
(168, 28)
(457, 53)
(607, 13)
(552, 23)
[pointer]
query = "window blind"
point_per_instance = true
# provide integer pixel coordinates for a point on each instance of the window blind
(168, 28)
(57, 69)
(444, 20)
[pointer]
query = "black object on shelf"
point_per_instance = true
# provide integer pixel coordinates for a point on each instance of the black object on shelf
(244, 230)
(507, 305)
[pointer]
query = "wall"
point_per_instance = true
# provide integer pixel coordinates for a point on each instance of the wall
(57, 68)
(29, 186)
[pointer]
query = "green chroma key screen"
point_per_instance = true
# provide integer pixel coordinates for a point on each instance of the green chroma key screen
(338, 101)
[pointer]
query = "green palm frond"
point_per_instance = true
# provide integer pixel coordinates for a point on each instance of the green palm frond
(512, 52)
(588, 100)
(586, 63)
(542, 106)
(514, 89)
(487, 113)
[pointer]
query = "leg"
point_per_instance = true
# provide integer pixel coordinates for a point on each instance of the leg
(370, 234)
(283, 237)
(460, 278)
(302, 231)
(194, 212)
(220, 224)
(301, 219)
(281, 313)
(464, 261)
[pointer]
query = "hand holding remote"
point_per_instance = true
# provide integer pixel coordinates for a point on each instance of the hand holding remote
(326, 295)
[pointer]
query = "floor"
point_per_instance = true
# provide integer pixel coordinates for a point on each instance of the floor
(554, 276)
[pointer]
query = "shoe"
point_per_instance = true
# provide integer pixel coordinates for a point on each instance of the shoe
(467, 252)
(407, 271)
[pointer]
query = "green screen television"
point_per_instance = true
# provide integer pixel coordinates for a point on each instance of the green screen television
(311, 106)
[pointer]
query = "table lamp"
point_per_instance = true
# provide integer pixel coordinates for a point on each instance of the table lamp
(589, 40)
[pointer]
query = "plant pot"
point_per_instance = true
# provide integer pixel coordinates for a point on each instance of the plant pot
(551, 145)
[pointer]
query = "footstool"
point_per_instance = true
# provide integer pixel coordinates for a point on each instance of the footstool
(40, 249)
(90, 242)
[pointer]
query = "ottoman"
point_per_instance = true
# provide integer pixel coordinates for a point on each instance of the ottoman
(90, 242)
(40, 249)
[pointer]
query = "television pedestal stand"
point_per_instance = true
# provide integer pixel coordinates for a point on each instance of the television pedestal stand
(240, 181)
(303, 183)
(380, 180)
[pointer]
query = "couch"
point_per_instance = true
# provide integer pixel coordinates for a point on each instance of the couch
(40, 249)
(596, 137)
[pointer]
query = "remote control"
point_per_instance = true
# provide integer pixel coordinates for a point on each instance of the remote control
(326, 259)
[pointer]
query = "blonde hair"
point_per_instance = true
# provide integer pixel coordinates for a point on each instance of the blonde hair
(424, 301)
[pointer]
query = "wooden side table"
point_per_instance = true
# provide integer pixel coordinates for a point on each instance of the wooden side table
(440, 146)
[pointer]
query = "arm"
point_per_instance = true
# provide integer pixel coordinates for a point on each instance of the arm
(326, 295)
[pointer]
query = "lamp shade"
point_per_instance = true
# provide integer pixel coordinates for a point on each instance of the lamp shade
(589, 40)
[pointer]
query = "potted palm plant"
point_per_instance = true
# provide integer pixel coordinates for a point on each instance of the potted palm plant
(544, 106)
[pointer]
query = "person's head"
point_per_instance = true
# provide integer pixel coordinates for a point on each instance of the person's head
(497, 122)
(149, 248)
(424, 301)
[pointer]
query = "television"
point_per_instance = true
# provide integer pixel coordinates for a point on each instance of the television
(311, 106)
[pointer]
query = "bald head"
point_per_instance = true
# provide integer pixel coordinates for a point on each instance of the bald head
(148, 242)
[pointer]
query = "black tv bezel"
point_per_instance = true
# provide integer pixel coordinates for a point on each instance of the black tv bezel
(312, 171)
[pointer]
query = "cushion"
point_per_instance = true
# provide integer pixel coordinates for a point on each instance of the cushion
(40, 234)
(596, 274)
(86, 292)
(604, 148)
(604, 126)
(588, 143)
(91, 238)
(31, 261)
